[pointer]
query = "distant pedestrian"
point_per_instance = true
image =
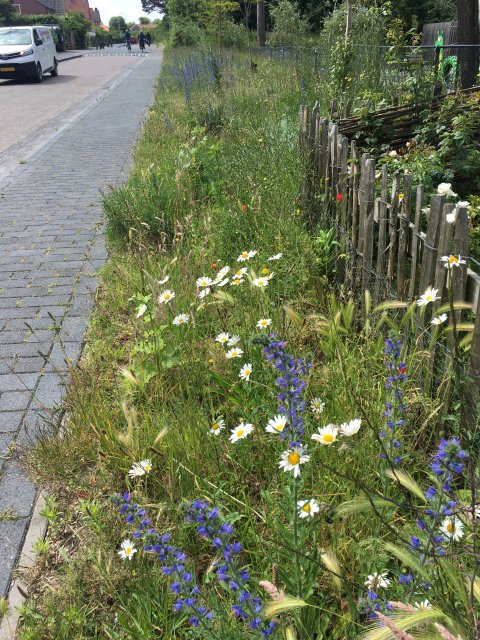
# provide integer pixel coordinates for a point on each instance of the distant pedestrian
(141, 40)
(127, 40)
(148, 39)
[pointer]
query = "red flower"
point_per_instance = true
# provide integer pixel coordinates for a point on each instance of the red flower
(213, 265)
(339, 197)
(402, 369)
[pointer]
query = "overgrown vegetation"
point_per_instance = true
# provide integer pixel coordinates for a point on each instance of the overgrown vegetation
(200, 391)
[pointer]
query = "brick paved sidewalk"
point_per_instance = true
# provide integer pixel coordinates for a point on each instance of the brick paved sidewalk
(51, 248)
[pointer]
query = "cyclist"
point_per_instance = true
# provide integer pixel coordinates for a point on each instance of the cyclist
(127, 40)
(141, 41)
(148, 39)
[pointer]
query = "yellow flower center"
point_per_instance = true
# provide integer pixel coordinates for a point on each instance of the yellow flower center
(240, 432)
(307, 508)
(428, 297)
(293, 458)
(236, 281)
(128, 551)
(450, 527)
(265, 271)
(167, 296)
(279, 427)
(245, 254)
(328, 437)
(452, 260)
(215, 426)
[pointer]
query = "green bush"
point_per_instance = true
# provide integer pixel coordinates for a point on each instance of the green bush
(289, 28)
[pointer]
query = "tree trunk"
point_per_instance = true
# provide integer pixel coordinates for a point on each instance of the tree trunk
(468, 34)
(261, 32)
(348, 28)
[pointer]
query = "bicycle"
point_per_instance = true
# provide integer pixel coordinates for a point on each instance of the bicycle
(129, 46)
(142, 46)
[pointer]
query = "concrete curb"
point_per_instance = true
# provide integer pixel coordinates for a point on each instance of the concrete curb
(18, 593)
(72, 57)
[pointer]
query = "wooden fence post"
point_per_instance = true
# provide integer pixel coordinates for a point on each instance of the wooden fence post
(367, 203)
(416, 246)
(393, 219)
(382, 233)
(430, 247)
(403, 235)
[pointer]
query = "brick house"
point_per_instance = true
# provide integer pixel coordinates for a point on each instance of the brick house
(81, 6)
(31, 7)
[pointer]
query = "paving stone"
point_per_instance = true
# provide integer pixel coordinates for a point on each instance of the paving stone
(10, 421)
(12, 533)
(17, 492)
(14, 400)
(50, 391)
(64, 355)
(18, 381)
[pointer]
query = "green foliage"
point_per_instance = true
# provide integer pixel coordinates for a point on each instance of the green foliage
(78, 25)
(289, 26)
(117, 23)
(7, 14)
(144, 20)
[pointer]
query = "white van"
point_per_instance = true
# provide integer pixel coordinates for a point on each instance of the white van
(27, 52)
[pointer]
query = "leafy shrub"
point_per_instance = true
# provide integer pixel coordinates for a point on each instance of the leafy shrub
(185, 33)
(290, 27)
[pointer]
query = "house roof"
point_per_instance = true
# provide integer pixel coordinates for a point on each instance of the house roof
(57, 5)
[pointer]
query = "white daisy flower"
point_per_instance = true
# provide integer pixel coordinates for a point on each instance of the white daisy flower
(141, 310)
(452, 261)
(327, 435)
(317, 406)
(240, 273)
(439, 319)
(146, 465)
(261, 282)
(126, 550)
(292, 459)
(204, 293)
(222, 338)
(307, 508)
(430, 295)
(452, 528)
(464, 204)
(233, 340)
(277, 424)
(166, 296)
(264, 323)
(246, 372)
(270, 275)
(235, 282)
(222, 273)
(246, 255)
(182, 318)
(222, 283)
(204, 281)
(164, 280)
(444, 189)
(217, 426)
(451, 217)
(233, 353)
(240, 432)
(137, 470)
(377, 581)
(277, 256)
(350, 428)
(425, 604)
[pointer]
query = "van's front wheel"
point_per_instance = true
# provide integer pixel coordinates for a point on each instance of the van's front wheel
(54, 71)
(38, 77)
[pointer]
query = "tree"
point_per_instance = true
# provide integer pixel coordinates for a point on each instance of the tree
(468, 35)
(7, 14)
(261, 27)
(154, 5)
(117, 23)
(144, 20)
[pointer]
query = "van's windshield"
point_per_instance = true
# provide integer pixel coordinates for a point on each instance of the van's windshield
(15, 36)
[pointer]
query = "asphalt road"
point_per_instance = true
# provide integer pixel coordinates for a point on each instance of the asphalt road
(27, 106)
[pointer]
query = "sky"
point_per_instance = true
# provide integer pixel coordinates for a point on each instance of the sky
(129, 9)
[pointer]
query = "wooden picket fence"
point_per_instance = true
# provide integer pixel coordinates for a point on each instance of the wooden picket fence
(388, 240)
